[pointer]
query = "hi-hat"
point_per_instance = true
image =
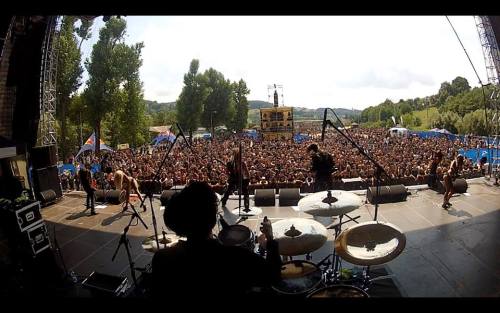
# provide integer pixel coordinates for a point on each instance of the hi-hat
(252, 211)
(299, 236)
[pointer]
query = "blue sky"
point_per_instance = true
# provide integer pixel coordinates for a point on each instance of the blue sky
(335, 61)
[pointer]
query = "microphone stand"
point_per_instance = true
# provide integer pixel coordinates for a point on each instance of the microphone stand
(149, 193)
(124, 240)
(379, 170)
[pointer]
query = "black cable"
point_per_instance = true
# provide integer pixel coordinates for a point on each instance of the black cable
(482, 88)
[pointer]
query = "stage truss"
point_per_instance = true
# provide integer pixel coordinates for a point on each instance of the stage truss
(48, 82)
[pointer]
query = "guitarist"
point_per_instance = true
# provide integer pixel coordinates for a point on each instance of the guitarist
(233, 168)
(323, 166)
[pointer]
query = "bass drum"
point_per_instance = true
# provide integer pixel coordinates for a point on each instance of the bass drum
(339, 291)
(237, 236)
(298, 278)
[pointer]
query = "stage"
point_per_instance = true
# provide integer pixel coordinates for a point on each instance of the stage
(448, 253)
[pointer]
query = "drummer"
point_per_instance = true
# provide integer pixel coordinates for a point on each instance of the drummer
(323, 166)
(202, 263)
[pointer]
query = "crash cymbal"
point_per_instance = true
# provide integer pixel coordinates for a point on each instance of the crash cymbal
(340, 202)
(370, 243)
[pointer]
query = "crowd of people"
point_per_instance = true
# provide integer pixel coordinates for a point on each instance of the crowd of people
(286, 163)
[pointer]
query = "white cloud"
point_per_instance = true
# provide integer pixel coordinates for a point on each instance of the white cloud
(338, 61)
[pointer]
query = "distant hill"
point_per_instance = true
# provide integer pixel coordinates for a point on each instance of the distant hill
(254, 106)
(304, 113)
(257, 104)
(154, 106)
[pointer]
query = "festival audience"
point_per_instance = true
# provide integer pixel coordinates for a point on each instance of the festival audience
(286, 164)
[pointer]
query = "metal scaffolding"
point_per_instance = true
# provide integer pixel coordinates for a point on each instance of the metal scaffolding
(490, 48)
(48, 83)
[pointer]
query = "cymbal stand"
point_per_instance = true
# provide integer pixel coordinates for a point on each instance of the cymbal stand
(333, 272)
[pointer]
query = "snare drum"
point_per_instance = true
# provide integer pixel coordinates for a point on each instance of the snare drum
(238, 236)
(298, 278)
(339, 291)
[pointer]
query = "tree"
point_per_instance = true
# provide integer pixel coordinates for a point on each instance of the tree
(104, 75)
(220, 100)
(241, 105)
(132, 116)
(474, 123)
(459, 85)
(84, 31)
(190, 103)
(448, 121)
(163, 117)
(444, 92)
(69, 73)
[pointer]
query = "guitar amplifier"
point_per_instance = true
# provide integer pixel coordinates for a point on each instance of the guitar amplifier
(28, 216)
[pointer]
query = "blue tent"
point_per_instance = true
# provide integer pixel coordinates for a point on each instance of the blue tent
(298, 138)
(90, 145)
(252, 133)
(167, 136)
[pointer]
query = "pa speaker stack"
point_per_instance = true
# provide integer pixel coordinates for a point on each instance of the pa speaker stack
(387, 194)
(46, 174)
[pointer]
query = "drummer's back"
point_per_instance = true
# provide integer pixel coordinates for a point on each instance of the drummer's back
(206, 267)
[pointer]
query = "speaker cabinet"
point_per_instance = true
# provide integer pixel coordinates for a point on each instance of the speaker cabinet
(289, 196)
(459, 185)
(387, 194)
(167, 194)
(47, 178)
(48, 196)
(264, 197)
(111, 196)
(44, 156)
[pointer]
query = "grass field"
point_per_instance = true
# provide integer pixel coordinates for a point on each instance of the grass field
(426, 118)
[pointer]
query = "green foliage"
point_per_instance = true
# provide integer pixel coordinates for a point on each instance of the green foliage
(189, 106)
(84, 31)
(163, 118)
(241, 105)
(69, 72)
(474, 123)
(456, 107)
(220, 99)
(448, 120)
(114, 90)
(411, 121)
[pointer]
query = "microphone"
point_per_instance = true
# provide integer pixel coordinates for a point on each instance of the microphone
(324, 126)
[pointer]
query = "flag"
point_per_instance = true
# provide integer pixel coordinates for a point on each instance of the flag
(394, 120)
(91, 140)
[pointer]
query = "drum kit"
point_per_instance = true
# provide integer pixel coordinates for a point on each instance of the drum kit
(364, 244)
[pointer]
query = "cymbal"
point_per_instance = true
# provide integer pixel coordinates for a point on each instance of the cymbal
(370, 243)
(298, 236)
(342, 202)
(149, 244)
